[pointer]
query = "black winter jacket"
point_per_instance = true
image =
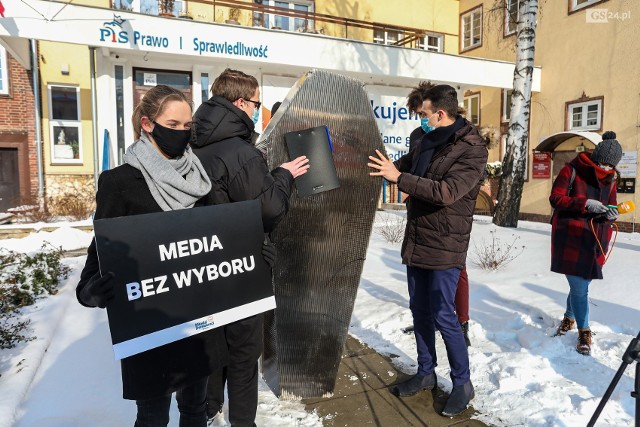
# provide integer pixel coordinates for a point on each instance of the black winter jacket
(160, 371)
(237, 169)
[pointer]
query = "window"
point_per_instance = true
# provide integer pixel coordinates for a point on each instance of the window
(581, 4)
(150, 7)
(431, 42)
(586, 115)
(506, 104)
(4, 72)
(386, 36)
(472, 105)
(65, 128)
(471, 27)
(282, 22)
(204, 86)
(511, 16)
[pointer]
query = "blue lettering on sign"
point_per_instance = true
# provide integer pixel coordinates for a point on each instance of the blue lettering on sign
(151, 41)
(237, 48)
(109, 34)
(203, 325)
(392, 113)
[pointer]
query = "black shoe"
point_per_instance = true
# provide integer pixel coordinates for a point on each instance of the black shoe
(465, 331)
(458, 400)
(212, 412)
(415, 384)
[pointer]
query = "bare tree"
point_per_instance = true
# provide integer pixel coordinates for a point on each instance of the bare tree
(514, 162)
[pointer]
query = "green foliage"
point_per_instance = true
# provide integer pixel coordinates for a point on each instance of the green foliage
(23, 279)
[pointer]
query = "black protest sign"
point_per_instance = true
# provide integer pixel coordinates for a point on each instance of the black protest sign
(183, 272)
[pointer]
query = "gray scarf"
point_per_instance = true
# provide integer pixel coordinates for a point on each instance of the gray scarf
(174, 183)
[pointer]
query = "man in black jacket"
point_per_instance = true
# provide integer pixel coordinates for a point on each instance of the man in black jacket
(224, 134)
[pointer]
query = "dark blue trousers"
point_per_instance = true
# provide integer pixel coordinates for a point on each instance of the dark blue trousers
(431, 299)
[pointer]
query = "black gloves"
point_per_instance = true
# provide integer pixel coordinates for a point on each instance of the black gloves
(98, 291)
(269, 252)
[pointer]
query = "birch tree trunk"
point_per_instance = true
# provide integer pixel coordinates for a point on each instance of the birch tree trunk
(514, 162)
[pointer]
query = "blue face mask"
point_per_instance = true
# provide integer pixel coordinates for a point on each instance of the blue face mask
(424, 124)
(256, 115)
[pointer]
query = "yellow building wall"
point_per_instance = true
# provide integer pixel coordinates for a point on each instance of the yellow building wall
(429, 15)
(576, 57)
(52, 58)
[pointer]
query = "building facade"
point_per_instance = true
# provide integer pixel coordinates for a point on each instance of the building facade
(590, 85)
(18, 164)
(94, 71)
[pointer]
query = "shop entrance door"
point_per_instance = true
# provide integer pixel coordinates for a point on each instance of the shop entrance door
(145, 79)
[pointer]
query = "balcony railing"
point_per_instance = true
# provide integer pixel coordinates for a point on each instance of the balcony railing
(265, 16)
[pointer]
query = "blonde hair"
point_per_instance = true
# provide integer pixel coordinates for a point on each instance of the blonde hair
(153, 104)
(233, 85)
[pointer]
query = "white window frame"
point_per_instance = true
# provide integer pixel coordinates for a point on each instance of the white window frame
(4, 71)
(575, 6)
(421, 43)
(470, 15)
(507, 16)
(467, 105)
(53, 123)
(506, 105)
(382, 36)
(179, 7)
(584, 107)
(292, 6)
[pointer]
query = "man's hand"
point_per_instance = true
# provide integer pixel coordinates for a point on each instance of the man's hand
(297, 166)
(385, 167)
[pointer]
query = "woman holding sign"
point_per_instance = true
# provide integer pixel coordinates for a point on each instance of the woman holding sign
(160, 174)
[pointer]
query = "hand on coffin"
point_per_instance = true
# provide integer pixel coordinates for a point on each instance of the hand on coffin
(385, 167)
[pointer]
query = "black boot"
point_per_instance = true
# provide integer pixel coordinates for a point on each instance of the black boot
(212, 411)
(415, 384)
(458, 400)
(465, 331)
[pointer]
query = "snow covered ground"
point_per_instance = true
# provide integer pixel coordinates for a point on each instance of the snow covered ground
(522, 376)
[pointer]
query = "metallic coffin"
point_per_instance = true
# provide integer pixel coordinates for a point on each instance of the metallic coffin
(322, 241)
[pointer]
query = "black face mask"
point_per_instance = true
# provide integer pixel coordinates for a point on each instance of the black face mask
(172, 142)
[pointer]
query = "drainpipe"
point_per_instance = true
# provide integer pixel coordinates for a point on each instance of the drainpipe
(36, 110)
(94, 118)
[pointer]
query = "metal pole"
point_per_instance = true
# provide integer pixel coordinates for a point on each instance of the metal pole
(384, 191)
(636, 392)
(94, 117)
(36, 111)
(631, 354)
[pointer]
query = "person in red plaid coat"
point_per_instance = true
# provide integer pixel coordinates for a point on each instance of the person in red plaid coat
(581, 228)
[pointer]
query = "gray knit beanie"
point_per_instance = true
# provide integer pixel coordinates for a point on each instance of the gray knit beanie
(608, 151)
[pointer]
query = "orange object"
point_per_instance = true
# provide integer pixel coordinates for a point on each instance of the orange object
(626, 207)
